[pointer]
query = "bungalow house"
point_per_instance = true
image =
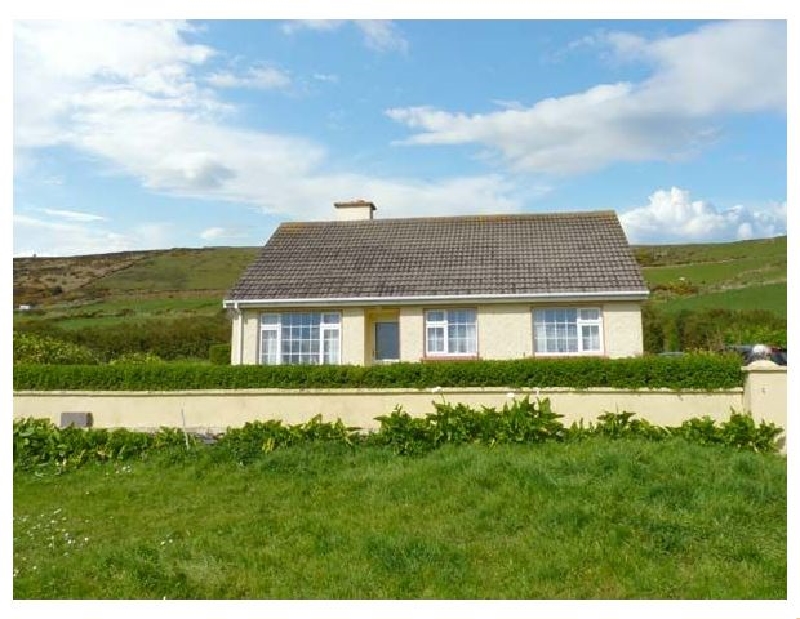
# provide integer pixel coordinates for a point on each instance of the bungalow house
(364, 290)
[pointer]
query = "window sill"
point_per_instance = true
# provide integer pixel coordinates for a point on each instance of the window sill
(450, 358)
(566, 355)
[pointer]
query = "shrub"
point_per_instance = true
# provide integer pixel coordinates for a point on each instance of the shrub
(33, 348)
(709, 329)
(687, 372)
(137, 357)
(220, 354)
(256, 438)
(169, 339)
(39, 443)
(527, 422)
(741, 431)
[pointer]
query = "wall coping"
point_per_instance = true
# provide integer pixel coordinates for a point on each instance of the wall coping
(764, 366)
(372, 391)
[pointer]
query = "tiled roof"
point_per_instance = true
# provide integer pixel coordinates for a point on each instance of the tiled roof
(475, 255)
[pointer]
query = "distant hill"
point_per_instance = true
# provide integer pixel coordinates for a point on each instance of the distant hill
(80, 290)
(738, 275)
(146, 274)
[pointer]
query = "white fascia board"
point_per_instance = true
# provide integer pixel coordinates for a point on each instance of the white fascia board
(611, 295)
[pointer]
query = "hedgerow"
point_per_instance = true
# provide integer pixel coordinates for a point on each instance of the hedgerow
(40, 349)
(220, 354)
(699, 371)
(169, 339)
(38, 444)
(709, 329)
(528, 422)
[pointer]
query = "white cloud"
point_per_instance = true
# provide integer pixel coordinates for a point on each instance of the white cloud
(323, 25)
(66, 69)
(257, 77)
(380, 35)
(73, 215)
(211, 234)
(150, 118)
(58, 238)
(672, 216)
(327, 77)
(697, 79)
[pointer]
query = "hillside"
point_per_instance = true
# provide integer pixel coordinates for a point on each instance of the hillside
(108, 288)
(738, 275)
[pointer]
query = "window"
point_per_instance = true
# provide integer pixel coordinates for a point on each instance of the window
(451, 332)
(567, 331)
(300, 338)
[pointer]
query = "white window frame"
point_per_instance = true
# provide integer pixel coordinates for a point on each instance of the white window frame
(443, 324)
(276, 327)
(581, 322)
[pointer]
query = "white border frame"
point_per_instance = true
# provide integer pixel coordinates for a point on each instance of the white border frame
(278, 327)
(580, 353)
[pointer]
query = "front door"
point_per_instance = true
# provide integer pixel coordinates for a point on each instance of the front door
(387, 341)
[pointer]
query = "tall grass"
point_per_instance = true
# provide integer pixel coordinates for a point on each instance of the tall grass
(596, 519)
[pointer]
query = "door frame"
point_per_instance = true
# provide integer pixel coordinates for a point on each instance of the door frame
(375, 324)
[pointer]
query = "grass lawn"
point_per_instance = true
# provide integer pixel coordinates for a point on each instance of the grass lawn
(597, 519)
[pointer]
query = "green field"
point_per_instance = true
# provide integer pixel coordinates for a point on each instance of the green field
(99, 313)
(694, 253)
(214, 269)
(189, 283)
(771, 297)
(753, 271)
(745, 275)
(591, 520)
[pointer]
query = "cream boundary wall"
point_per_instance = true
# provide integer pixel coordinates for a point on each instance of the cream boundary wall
(764, 396)
(216, 410)
(765, 392)
(504, 331)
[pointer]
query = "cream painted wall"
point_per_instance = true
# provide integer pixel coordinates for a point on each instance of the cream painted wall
(505, 331)
(352, 336)
(412, 335)
(764, 396)
(235, 340)
(218, 409)
(622, 330)
(251, 328)
(765, 392)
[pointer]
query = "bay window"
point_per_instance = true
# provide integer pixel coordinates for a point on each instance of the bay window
(300, 338)
(451, 332)
(567, 331)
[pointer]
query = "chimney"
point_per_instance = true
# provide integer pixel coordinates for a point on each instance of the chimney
(354, 210)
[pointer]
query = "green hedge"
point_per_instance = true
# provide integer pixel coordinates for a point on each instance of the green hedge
(40, 349)
(220, 354)
(701, 371)
(170, 339)
(39, 445)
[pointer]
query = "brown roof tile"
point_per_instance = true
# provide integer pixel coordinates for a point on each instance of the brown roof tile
(491, 254)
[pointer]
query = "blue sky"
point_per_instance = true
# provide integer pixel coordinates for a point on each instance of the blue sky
(156, 134)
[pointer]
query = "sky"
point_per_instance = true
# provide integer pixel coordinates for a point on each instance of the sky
(158, 134)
